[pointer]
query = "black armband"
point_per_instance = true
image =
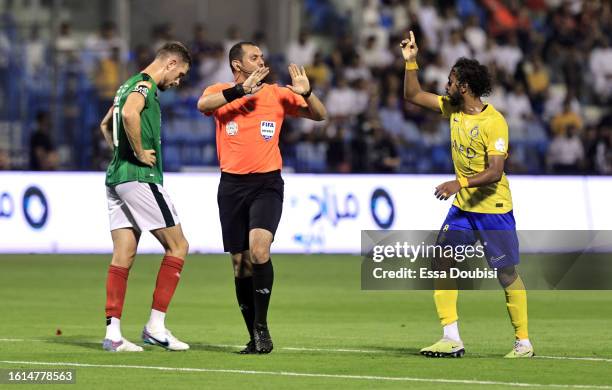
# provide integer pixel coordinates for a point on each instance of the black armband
(233, 93)
(307, 94)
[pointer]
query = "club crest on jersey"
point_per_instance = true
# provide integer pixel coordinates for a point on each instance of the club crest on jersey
(267, 129)
(474, 132)
(231, 128)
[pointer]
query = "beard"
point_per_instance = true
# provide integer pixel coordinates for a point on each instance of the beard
(161, 87)
(455, 99)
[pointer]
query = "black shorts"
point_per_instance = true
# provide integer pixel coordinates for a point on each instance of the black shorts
(248, 202)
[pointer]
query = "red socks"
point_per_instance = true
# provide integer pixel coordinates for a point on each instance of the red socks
(167, 279)
(116, 284)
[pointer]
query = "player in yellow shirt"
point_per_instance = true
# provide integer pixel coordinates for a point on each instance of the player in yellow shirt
(482, 208)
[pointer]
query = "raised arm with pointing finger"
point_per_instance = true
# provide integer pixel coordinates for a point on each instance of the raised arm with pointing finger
(412, 87)
(483, 203)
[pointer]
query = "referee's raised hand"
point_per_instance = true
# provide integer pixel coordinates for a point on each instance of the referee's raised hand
(253, 83)
(299, 80)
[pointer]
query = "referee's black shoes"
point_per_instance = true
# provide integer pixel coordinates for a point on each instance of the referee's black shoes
(263, 341)
(249, 348)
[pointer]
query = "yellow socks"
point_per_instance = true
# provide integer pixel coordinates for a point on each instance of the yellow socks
(446, 305)
(516, 301)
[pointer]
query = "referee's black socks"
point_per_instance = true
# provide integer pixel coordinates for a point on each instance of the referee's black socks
(244, 294)
(263, 278)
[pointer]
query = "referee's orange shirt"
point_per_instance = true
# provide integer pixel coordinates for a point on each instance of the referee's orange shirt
(248, 128)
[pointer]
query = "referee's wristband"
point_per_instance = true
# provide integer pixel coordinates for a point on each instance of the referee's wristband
(307, 94)
(463, 182)
(233, 93)
(412, 65)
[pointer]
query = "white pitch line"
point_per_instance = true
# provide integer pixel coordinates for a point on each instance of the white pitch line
(313, 375)
(17, 340)
(305, 349)
(349, 350)
(592, 359)
(331, 350)
(346, 350)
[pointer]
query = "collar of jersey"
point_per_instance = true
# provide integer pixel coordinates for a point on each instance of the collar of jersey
(146, 77)
(481, 112)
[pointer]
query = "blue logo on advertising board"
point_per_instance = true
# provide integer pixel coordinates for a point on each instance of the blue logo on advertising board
(7, 206)
(382, 208)
(35, 207)
(333, 210)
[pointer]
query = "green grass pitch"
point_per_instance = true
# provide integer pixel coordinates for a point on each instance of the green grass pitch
(327, 332)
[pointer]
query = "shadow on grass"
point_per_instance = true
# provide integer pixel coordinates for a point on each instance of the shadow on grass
(213, 348)
(81, 341)
(377, 350)
(385, 350)
(373, 351)
(86, 342)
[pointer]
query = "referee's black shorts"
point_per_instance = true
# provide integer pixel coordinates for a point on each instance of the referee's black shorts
(247, 202)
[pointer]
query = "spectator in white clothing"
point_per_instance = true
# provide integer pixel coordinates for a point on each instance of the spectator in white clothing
(374, 56)
(600, 64)
(454, 49)
(508, 55)
(66, 45)
(475, 35)
(213, 68)
(437, 74)
(302, 51)
(518, 112)
(340, 101)
(565, 152)
(357, 70)
(429, 21)
(35, 50)
(372, 27)
(392, 119)
(101, 44)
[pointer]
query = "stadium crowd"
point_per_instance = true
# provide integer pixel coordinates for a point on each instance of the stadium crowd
(551, 62)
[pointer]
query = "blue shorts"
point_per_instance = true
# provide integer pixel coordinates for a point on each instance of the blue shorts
(496, 232)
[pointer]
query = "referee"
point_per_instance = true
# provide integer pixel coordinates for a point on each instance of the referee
(249, 115)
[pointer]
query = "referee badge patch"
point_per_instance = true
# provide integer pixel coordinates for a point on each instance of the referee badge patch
(267, 129)
(231, 128)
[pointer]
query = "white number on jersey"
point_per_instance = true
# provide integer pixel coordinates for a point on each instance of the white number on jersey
(115, 125)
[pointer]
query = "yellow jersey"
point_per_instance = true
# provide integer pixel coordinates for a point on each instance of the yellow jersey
(473, 139)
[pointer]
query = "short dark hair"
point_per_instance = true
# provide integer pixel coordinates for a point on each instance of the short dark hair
(177, 48)
(236, 51)
(474, 75)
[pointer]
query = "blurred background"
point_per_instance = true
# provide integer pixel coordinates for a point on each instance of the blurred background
(61, 62)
